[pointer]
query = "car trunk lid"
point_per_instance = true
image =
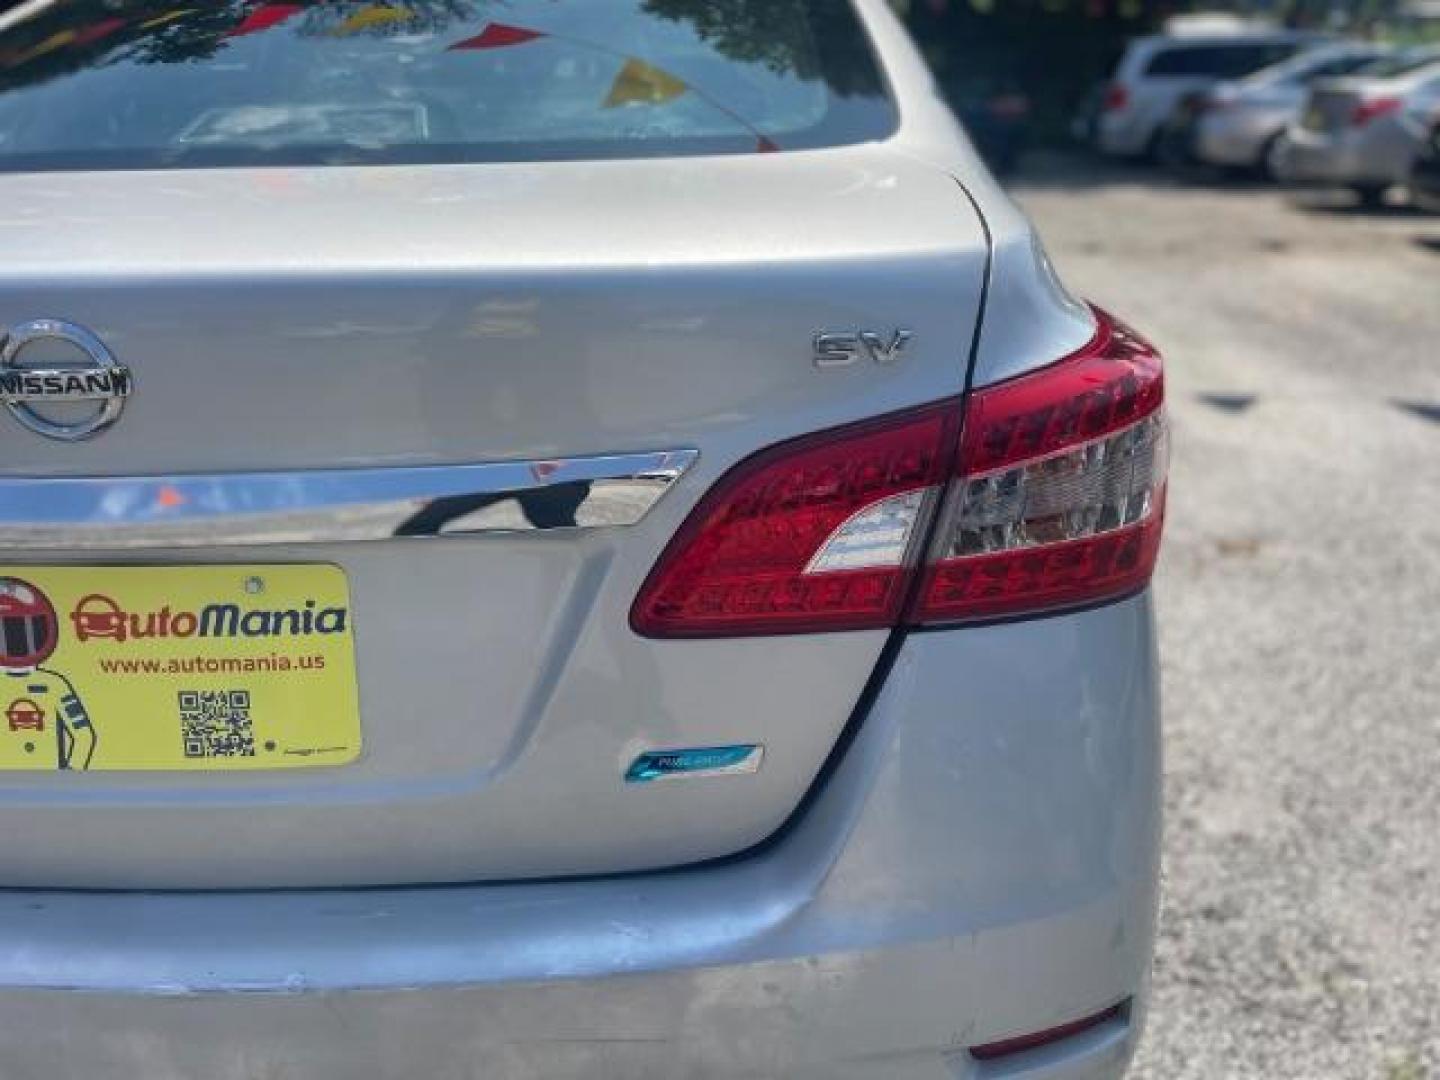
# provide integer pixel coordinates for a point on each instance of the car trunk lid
(642, 325)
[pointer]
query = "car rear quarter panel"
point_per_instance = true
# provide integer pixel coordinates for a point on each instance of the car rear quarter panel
(1029, 317)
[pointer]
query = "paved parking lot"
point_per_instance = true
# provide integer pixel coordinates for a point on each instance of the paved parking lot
(1300, 607)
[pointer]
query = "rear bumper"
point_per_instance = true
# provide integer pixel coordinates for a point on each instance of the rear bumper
(1378, 154)
(1126, 134)
(1235, 137)
(982, 864)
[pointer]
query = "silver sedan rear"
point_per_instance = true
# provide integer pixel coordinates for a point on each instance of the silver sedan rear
(1240, 124)
(619, 558)
(1353, 133)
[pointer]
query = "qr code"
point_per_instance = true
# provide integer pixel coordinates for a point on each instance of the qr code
(216, 723)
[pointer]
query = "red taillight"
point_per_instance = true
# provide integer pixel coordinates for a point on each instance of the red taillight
(1009, 107)
(812, 535)
(1117, 97)
(1055, 501)
(1367, 111)
(1060, 498)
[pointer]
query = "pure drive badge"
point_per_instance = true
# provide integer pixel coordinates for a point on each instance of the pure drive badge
(75, 388)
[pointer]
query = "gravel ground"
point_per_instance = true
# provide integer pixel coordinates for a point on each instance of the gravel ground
(1300, 613)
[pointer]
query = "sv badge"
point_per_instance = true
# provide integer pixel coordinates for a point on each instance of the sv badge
(836, 350)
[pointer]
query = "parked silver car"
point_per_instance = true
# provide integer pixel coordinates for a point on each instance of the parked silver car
(1425, 179)
(555, 541)
(1240, 124)
(1352, 132)
(1156, 74)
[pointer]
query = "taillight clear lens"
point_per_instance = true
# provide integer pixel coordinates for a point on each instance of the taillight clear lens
(813, 535)
(1075, 494)
(1060, 499)
(1055, 500)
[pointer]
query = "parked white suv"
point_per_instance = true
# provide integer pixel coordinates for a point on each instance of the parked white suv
(1156, 74)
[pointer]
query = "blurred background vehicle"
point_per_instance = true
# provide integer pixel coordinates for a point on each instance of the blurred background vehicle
(1238, 124)
(996, 112)
(1156, 74)
(1353, 132)
(1421, 117)
(1085, 124)
(1425, 178)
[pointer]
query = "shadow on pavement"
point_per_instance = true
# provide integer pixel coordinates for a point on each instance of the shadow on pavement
(1229, 403)
(1344, 204)
(1218, 179)
(1426, 410)
(1428, 243)
(1078, 170)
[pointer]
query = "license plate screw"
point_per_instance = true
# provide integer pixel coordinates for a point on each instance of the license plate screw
(254, 585)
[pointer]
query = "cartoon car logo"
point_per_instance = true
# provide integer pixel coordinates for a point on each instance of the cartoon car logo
(28, 627)
(25, 715)
(98, 616)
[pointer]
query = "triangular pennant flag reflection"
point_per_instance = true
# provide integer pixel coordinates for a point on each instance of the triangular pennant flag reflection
(498, 36)
(639, 82)
(371, 17)
(262, 18)
(49, 45)
(169, 17)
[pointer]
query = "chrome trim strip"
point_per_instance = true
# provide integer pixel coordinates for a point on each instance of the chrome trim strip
(332, 506)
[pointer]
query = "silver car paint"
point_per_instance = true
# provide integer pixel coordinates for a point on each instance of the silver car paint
(982, 863)
(1031, 319)
(1239, 135)
(375, 284)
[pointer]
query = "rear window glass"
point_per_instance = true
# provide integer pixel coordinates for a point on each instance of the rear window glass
(1393, 66)
(1309, 69)
(1220, 61)
(95, 84)
(1348, 66)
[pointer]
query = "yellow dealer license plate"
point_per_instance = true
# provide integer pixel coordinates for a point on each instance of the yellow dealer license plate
(189, 668)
